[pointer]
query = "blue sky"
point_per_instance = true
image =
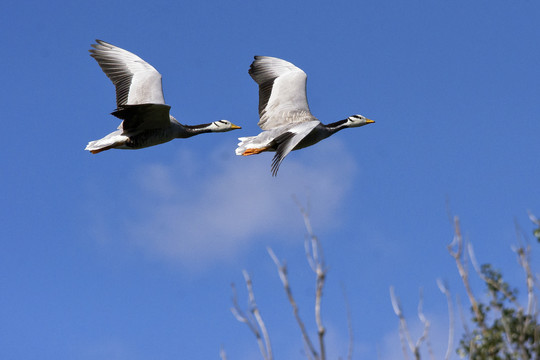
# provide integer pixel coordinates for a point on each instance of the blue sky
(130, 254)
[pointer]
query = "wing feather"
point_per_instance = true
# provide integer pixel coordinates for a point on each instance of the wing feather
(288, 141)
(143, 117)
(282, 92)
(135, 80)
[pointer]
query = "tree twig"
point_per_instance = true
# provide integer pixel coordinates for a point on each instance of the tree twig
(349, 324)
(404, 334)
(532, 301)
(444, 289)
(315, 259)
(222, 354)
(255, 322)
(256, 313)
(463, 272)
(282, 271)
(425, 333)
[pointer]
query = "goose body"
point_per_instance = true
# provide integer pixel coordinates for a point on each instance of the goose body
(285, 118)
(146, 120)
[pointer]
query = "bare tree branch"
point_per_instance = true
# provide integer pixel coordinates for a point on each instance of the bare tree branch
(349, 324)
(256, 313)
(315, 259)
(472, 345)
(282, 271)
(255, 322)
(404, 334)
(463, 272)
(320, 272)
(425, 333)
(523, 253)
(222, 354)
(444, 289)
(533, 218)
(240, 315)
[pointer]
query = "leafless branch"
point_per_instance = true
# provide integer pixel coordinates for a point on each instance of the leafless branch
(444, 289)
(240, 315)
(404, 333)
(255, 322)
(256, 313)
(321, 276)
(222, 354)
(282, 271)
(457, 243)
(315, 259)
(349, 324)
(425, 333)
(523, 253)
(533, 218)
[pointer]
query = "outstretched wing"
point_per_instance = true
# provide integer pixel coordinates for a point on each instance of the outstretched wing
(282, 92)
(136, 81)
(143, 117)
(288, 140)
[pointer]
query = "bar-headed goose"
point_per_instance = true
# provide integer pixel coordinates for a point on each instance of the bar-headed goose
(140, 104)
(284, 112)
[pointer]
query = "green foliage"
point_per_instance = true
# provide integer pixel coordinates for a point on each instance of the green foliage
(536, 232)
(502, 330)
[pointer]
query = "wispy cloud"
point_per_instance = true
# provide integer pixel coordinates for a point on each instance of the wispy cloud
(205, 208)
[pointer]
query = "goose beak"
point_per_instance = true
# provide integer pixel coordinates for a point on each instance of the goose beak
(369, 121)
(235, 127)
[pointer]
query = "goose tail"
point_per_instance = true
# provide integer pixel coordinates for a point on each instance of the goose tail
(249, 146)
(110, 141)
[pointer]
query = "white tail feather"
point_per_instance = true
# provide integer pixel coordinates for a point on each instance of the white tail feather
(112, 140)
(245, 143)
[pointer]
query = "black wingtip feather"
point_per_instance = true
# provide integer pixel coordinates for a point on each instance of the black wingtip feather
(276, 162)
(281, 142)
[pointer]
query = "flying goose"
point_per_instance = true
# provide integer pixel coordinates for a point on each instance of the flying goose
(140, 104)
(285, 118)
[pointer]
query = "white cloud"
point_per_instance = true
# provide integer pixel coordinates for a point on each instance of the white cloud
(202, 209)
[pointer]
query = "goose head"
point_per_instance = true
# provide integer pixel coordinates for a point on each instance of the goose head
(222, 126)
(357, 120)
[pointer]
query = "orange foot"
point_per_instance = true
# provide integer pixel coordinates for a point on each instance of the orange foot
(253, 151)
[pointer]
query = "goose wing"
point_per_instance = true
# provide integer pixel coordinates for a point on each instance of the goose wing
(282, 92)
(137, 83)
(288, 140)
(143, 117)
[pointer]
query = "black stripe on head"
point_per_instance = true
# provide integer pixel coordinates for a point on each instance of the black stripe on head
(201, 126)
